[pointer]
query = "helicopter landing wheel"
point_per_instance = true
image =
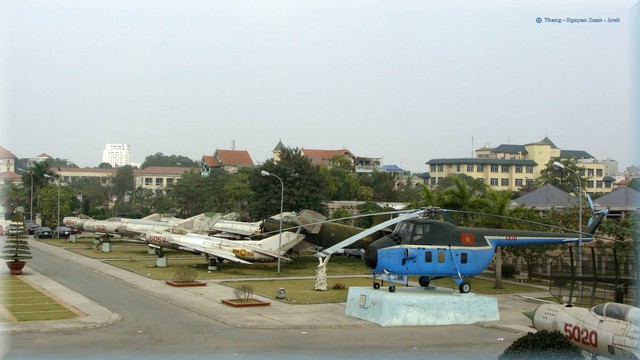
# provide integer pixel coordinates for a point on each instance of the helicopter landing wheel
(464, 287)
(424, 281)
(376, 285)
(392, 288)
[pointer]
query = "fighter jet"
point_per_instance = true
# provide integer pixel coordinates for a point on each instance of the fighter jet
(611, 330)
(216, 249)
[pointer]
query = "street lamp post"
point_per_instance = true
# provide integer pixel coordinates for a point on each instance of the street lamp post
(559, 165)
(31, 197)
(266, 173)
(58, 219)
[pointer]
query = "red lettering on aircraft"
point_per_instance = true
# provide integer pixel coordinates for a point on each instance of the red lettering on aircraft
(157, 239)
(581, 335)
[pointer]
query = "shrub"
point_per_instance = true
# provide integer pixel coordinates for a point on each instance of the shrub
(185, 275)
(244, 292)
(542, 345)
(339, 286)
(508, 270)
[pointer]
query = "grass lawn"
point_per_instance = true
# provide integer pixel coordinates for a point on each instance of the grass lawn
(20, 301)
(134, 257)
(301, 267)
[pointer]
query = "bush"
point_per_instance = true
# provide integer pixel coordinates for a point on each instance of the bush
(185, 275)
(244, 293)
(339, 286)
(508, 270)
(542, 345)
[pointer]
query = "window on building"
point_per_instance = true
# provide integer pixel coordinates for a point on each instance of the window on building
(505, 168)
(519, 182)
(504, 182)
(599, 172)
(529, 181)
(494, 181)
(480, 168)
(519, 169)
(529, 169)
(432, 181)
(148, 181)
(469, 168)
(590, 183)
(494, 168)
(440, 168)
(159, 181)
(607, 185)
(433, 168)
(590, 172)
(458, 168)
(599, 184)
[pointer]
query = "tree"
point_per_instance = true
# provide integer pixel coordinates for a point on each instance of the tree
(16, 248)
(382, 183)
(105, 165)
(160, 159)
(13, 197)
(542, 345)
(304, 185)
(123, 184)
(561, 178)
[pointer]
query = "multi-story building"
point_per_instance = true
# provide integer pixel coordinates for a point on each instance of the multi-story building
(117, 154)
(510, 167)
(155, 179)
(158, 178)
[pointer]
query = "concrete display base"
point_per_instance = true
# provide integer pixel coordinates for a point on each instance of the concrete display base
(416, 306)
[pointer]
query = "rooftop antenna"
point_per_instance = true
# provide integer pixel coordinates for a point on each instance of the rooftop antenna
(233, 144)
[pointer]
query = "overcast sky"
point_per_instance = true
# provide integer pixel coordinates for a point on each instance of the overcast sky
(407, 81)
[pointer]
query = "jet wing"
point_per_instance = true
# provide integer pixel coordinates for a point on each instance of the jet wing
(219, 253)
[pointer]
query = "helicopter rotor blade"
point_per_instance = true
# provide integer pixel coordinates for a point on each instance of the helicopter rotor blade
(330, 250)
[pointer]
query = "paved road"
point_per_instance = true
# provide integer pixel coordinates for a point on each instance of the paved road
(153, 325)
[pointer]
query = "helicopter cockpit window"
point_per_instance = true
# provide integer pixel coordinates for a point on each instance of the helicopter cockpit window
(418, 233)
(405, 230)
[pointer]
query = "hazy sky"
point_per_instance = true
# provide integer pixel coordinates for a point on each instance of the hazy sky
(407, 81)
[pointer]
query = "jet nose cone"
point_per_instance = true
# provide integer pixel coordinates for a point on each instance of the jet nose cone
(371, 257)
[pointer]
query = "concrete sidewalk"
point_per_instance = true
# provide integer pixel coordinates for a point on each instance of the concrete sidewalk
(206, 301)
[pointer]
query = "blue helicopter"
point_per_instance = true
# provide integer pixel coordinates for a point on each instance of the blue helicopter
(433, 249)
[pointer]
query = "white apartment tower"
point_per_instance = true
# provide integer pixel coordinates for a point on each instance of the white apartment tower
(117, 154)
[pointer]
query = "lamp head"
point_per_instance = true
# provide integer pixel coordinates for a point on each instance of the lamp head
(558, 165)
(265, 173)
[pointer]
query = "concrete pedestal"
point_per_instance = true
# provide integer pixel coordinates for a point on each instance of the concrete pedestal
(106, 247)
(162, 262)
(416, 306)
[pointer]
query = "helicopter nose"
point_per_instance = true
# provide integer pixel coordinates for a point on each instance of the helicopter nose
(371, 257)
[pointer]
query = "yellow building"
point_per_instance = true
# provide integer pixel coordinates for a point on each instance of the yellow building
(510, 167)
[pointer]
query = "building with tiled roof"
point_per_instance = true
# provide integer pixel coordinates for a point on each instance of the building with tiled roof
(325, 157)
(7, 160)
(230, 160)
(510, 166)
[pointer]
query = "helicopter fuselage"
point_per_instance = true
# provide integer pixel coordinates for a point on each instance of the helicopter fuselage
(434, 249)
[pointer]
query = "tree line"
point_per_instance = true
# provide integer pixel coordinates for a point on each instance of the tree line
(304, 186)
